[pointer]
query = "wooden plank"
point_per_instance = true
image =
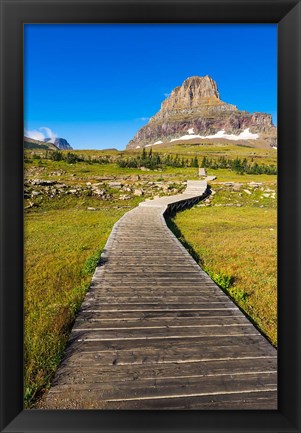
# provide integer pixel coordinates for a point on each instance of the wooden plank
(154, 300)
(137, 364)
(201, 347)
(229, 362)
(213, 307)
(200, 285)
(78, 373)
(150, 290)
(170, 332)
(151, 314)
(178, 387)
(263, 400)
(92, 322)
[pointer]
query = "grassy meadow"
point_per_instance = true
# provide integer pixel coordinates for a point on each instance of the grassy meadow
(62, 248)
(70, 209)
(236, 246)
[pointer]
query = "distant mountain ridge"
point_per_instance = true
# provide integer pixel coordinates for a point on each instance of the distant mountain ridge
(31, 143)
(194, 111)
(60, 143)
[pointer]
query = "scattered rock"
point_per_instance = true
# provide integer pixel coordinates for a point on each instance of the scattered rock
(247, 191)
(31, 204)
(115, 185)
(57, 173)
(138, 192)
(99, 192)
(41, 182)
(237, 186)
(255, 184)
(104, 178)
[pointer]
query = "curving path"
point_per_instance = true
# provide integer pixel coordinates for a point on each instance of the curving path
(155, 332)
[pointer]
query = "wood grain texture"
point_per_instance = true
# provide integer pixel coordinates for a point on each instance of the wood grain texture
(155, 332)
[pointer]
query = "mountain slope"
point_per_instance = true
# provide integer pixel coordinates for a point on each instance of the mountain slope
(60, 143)
(30, 143)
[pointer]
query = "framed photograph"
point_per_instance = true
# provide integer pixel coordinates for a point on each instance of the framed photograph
(150, 234)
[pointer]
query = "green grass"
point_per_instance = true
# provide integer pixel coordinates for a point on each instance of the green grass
(62, 248)
(237, 248)
(226, 175)
(186, 150)
(63, 241)
(84, 170)
(82, 202)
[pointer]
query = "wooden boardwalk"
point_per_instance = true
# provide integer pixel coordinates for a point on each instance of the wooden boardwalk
(155, 332)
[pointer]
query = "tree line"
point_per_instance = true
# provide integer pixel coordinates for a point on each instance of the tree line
(238, 165)
(72, 158)
(155, 160)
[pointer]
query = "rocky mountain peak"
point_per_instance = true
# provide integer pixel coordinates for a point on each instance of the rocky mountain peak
(60, 143)
(194, 110)
(196, 94)
(200, 87)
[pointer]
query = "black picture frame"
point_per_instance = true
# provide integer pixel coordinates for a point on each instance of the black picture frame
(287, 14)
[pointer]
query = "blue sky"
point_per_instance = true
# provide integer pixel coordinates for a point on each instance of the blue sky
(96, 85)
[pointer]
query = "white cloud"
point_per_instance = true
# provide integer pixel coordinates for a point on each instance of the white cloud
(37, 134)
(144, 119)
(49, 133)
(167, 95)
